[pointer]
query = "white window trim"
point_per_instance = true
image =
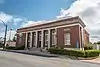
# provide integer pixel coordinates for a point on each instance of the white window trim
(65, 40)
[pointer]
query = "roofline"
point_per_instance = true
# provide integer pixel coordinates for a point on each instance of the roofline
(81, 21)
(54, 21)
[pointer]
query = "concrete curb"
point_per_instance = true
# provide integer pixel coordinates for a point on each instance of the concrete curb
(91, 62)
(52, 55)
(31, 53)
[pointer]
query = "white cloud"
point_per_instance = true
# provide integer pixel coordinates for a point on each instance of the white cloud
(10, 34)
(33, 23)
(5, 17)
(63, 13)
(16, 20)
(89, 11)
(8, 19)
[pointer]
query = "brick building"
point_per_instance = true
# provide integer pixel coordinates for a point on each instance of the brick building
(65, 32)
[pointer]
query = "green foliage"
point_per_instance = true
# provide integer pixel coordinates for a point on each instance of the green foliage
(98, 42)
(88, 47)
(1, 44)
(76, 53)
(14, 39)
(15, 48)
(11, 48)
(92, 53)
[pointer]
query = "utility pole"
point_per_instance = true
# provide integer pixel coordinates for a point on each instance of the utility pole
(5, 33)
(5, 36)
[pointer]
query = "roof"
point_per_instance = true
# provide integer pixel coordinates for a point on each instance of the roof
(57, 21)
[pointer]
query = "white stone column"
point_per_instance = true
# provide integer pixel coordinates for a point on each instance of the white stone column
(31, 40)
(26, 40)
(80, 39)
(36, 39)
(42, 38)
(82, 30)
(55, 37)
(48, 38)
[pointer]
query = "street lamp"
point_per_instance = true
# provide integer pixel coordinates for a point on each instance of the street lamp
(5, 32)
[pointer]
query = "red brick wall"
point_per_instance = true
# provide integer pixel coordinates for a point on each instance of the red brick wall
(23, 39)
(60, 37)
(74, 33)
(17, 41)
(86, 37)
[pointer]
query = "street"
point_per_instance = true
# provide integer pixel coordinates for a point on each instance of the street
(9, 59)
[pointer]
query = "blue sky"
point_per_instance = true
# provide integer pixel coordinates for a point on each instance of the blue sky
(21, 13)
(35, 10)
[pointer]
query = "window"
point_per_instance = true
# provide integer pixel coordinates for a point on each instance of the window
(40, 36)
(29, 37)
(34, 38)
(46, 38)
(20, 37)
(53, 37)
(67, 39)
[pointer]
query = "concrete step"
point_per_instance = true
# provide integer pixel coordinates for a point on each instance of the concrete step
(38, 49)
(34, 49)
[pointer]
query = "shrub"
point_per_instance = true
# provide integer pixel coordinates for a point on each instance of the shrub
(11, 48)
(16, 48)
(76, 53)
(88, 47)
(92, 53)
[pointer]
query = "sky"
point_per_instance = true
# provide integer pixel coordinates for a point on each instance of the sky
(22, 13)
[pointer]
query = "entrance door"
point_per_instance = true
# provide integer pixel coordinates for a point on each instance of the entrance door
(34, 39)
(39, 44)
(28, 41)
(46, 38)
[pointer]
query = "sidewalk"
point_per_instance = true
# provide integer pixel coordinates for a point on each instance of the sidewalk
(37, 53)
(47, 54)
(97, 60)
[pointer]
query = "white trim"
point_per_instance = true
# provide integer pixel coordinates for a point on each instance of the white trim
(49, 32)
(54, 27)
(42, 38)
(36, 38)
(80, 38)
(82, 30)
(55, 37)
(26, 41)
(48, 38)
(66, 40)
(31, 39)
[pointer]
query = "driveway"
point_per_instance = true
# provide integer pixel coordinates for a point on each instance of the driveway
(9, 59)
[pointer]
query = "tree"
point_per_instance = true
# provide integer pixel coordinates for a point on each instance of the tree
(14, 38)
(98, 42)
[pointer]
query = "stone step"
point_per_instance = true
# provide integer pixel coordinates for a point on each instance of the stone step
(38, 49)
(35, 49)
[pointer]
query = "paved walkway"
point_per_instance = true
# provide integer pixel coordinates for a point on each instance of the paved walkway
(37, 53)
(97, 60)
(11, 59)
(47, 54)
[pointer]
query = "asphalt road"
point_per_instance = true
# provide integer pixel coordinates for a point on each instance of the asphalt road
(9, 59)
